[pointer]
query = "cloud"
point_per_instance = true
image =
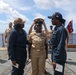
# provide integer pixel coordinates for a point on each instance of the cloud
(71, 16)
(38, 15)
(46, 4)
(25, 8)
(1, 21)
(5, 8)
(13, 3)
(19, 4)
(67, 5)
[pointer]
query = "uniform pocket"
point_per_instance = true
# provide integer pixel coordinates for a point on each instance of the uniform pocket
(53, 37)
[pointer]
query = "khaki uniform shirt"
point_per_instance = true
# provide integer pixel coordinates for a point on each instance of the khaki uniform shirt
(7, 33)
(38, 40)
(49, 34)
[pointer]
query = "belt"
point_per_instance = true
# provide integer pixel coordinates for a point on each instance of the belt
(38, 49)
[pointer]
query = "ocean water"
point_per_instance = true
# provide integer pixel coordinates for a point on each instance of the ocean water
(72, 39)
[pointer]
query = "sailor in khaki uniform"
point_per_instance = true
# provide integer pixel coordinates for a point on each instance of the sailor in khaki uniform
(7, 33)
(38, 50)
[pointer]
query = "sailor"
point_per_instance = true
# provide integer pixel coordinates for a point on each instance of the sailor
(57, 41)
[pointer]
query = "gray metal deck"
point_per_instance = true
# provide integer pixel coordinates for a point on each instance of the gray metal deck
(70, 68)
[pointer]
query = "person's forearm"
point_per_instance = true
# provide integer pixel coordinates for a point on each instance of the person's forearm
(46, 48)
(29, 50)
(46, 30)
(5, 39)
(30, 29)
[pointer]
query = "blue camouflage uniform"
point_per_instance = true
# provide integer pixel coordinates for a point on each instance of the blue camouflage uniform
(57, 41)
(17, 50)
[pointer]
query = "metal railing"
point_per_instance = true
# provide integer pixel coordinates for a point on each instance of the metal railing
(2, 40)
(72, 40)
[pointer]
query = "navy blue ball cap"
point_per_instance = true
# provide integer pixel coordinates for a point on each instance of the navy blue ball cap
(58, 16)
(55, 15)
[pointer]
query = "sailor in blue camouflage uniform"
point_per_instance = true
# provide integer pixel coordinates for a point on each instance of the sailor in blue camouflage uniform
(17, 47)
(57, 41)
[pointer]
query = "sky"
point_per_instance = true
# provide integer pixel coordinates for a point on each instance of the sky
(30, 9)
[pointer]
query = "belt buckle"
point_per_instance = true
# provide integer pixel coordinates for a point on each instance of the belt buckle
(38, 50)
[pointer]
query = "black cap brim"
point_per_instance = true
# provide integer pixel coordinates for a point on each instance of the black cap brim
(38, 24)
(50, 17)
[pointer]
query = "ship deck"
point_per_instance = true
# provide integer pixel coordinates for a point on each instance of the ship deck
(70, 66)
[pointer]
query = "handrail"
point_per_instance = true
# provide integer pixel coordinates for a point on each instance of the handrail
(71, 46)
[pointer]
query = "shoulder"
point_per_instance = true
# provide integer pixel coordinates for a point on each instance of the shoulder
(24, 31)
(6, 30)
(43, 34)
(13, 32)
(33, 33)
(62, 28)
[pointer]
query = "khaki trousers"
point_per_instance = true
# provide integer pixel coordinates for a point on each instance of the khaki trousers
(38, 59)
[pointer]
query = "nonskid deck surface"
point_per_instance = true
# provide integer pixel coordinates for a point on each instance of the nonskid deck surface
(70, 67)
